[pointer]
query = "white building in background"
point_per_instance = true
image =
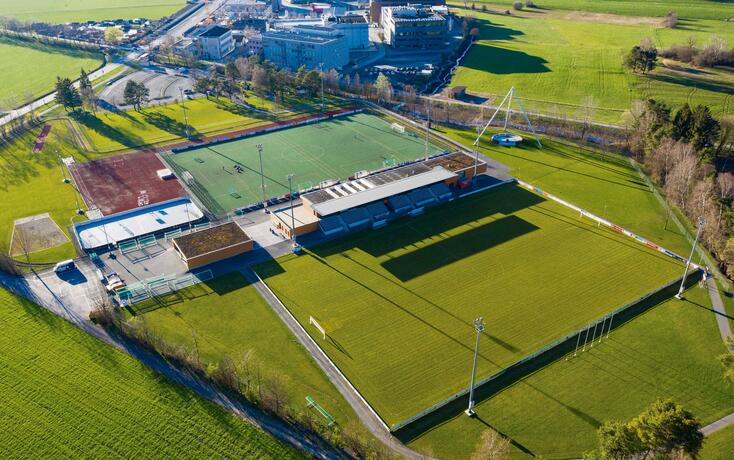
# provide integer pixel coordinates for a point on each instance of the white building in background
(215, 42)
(311, 46)
(354, 27)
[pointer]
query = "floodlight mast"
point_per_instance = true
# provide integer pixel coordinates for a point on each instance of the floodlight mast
(701, 222)
(479, 327)
(186, 119)
(262, 175)
(293, 218)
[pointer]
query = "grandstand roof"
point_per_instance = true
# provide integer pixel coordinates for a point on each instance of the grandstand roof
(373, 188)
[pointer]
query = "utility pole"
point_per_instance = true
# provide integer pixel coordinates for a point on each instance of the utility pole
(186, 119)
(262, 176)
(293, 218)
(679, 295)
(479, 327)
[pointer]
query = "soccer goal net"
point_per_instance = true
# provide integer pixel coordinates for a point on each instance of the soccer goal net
(398, 128)
(187, 178)
(312, 321)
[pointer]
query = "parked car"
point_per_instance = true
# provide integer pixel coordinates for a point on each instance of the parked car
(64, 266)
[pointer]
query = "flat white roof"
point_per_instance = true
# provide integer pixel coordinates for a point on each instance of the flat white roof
(137, 222)
(381, 191)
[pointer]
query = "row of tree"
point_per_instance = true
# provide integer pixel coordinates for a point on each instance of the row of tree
(83, 97)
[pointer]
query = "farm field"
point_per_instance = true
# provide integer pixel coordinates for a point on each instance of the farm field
(87, 10)
(113, 132)
(229, 318)
(30, 69)
(32, 184)
(718, 445)
(701, 9)
(602, 183)
(68, 394)
(668, 351)
(419, 284)
(560, 65)
(331, 149)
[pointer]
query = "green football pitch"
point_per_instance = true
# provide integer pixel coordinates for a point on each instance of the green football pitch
(398, 303)
(332, 149)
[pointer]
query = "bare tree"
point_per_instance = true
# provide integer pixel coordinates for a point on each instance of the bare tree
(679, 180)
(492, 446)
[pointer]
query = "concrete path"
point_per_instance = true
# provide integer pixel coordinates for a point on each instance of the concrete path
(722, 319)
(720, 424)
(73, 301)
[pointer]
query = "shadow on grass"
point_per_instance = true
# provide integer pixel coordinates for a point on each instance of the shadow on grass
(95, 124)
(519, 372)
(170, 125)
(692, 82)
(236, 109)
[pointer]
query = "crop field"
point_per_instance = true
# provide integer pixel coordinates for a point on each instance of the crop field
(699, 9)
(52, 11)
(115, 132)
(228, 317)
(410, 292)
(331, 149)
(32, 184)
(30, 69)
(66, 394)
(667, 352)
(561, 65)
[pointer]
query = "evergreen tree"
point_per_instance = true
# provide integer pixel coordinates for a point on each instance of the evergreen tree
(706, 129)
(682, 129)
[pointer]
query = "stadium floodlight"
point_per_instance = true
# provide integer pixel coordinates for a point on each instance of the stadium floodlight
(701, 222)
(64, 179)
(186, 120)
(293, 218)
(479, 327)
(262, 176)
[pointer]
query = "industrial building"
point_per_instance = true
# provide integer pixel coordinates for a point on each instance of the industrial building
(311, 46)
(215, 42)
(413, 26)
(373, 200)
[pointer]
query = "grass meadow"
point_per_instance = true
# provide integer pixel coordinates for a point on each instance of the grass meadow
(30, 69)
(558, 65)
(668, 351)
(226, 316)
(718, 446)
(32, 184)
(401, 300)
(87, 10)
(698, 9)
(66, 394)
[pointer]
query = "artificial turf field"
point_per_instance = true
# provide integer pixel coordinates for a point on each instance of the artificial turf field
(401, 300)
(331, 149)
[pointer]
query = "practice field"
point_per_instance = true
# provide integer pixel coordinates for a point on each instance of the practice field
(116, 184)
(560, 65)
(398, 303)
(332, 149)
(30, 69)
(35, 233)
(87, 10)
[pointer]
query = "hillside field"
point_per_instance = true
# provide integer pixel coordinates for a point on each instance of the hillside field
(87, 10)
(66, 394)
(30, 69)
(401, 300)
(559, 65)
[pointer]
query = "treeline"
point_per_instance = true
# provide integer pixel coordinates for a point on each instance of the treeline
(714, 53)
(680, 151)
(33, 37)
(246, 377)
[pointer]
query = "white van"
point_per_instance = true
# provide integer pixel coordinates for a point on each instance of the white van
(64, 266)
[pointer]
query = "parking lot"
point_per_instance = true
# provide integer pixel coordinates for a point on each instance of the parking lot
(164, 87)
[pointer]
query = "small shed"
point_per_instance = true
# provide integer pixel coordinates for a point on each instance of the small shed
(212, 244)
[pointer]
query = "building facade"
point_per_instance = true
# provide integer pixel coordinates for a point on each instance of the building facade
(354, 27)
(215, 42)
(311, 46)
(376, 7)
(413, 26)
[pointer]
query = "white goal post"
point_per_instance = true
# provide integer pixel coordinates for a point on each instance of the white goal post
(312, 320)
(398, 128)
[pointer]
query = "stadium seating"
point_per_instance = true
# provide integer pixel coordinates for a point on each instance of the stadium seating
(332, 225)
(400, 204)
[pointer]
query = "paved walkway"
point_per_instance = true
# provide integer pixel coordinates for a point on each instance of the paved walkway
(721, 317)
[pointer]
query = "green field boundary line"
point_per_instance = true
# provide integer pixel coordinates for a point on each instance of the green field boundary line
(323, 354)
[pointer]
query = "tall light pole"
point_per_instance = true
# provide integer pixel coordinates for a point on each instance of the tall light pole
(476, 153)
(293, 218)
(321, 67)
(479, 327)
(186, 119)
(701, 221)
(262, 175)
(64, 179)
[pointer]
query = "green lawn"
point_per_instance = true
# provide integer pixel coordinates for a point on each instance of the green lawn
(87, 10)
(32, 184)
(556, 64)
(30, 69)
(66, 394)
(685, 8)
(401, 300)
(719, 445)
(228, 317)
(669, 351)
(110, 132)
(603, 183)
(331, 149)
